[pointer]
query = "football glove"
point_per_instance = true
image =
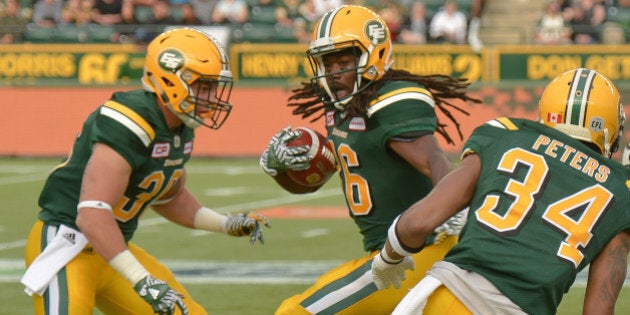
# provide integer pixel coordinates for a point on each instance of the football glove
(385, 273)
(160, 296)
(451, 227)
(242, 224)
(278, 157)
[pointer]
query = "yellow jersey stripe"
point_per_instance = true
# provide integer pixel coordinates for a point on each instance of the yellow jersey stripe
(466, 152)
(503, 123)
(130, 119)
(386, 99)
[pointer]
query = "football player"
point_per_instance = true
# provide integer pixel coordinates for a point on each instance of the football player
(130, 156)
(382, 123)
(545, 201)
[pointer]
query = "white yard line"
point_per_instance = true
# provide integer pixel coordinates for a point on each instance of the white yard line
(238, 272)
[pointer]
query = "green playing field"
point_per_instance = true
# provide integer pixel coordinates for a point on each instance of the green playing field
(228, 276)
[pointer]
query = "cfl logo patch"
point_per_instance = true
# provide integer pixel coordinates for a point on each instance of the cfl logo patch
(597, 124)
(171, 60)
(376, 30)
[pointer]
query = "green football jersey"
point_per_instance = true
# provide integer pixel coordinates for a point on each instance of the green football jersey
(133, 125)
(378, 184)
(545, 206)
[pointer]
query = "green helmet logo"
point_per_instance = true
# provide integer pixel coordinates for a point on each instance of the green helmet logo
(171, 60)
(375, 30)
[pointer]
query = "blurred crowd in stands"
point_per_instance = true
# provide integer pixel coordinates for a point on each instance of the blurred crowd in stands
(581, 21)
(287, 21)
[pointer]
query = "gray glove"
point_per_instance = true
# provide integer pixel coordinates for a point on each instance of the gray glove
(278, 157)
(385, 273)
(160, 296)
(242, 224)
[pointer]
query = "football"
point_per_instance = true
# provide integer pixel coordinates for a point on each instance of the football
(322, 166)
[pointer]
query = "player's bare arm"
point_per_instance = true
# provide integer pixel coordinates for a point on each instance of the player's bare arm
(425, 154)
(606, 276)
(448, 197)
(181, 208)
(105, 179)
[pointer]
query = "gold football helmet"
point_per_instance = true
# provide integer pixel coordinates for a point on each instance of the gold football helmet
(179, 58)
(585, 105)
(350, 27)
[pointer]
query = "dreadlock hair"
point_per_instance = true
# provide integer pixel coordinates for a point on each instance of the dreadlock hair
(306, 100)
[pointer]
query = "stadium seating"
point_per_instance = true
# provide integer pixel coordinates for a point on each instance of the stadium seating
(37, 34)
(142, 14)
(70, 33)
(621, 16)
(257, 33)
(262, 15)
(100, 33)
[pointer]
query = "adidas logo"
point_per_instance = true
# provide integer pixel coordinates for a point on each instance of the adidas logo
(70, 237)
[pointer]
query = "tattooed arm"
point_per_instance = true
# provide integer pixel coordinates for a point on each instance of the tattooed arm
(606, 276)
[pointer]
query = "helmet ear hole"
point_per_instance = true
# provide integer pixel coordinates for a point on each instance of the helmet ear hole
(167, 82)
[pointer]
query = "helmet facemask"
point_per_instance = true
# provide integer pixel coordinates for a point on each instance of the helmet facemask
(207, 103)
(323, 81)
(349, 27)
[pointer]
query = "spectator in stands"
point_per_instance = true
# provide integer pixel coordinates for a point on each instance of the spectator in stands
(552, 28)
(203, 10)
(309, 12)
(183, 12)
(230, 12)
(114, 12)
(392, 15)
(12, 22)
(287, 12)
(586, 18)
(111, 12)
(303, 31)
(47, 13)
(476, 9)
(323, 6)
(449, 25)
(155, 23)
(77, 12)
(414, 29)
(188, 15)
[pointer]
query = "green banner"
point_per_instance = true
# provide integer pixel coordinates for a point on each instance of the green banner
(543, 63)
(70, 65)
(288, 62)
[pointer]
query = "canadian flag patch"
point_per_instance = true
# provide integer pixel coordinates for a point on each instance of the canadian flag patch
(554, 117)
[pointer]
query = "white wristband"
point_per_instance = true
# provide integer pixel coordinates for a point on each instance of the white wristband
(209, 220)
(128, 266)
(395, 242)
(386, 258)
(96, 204)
